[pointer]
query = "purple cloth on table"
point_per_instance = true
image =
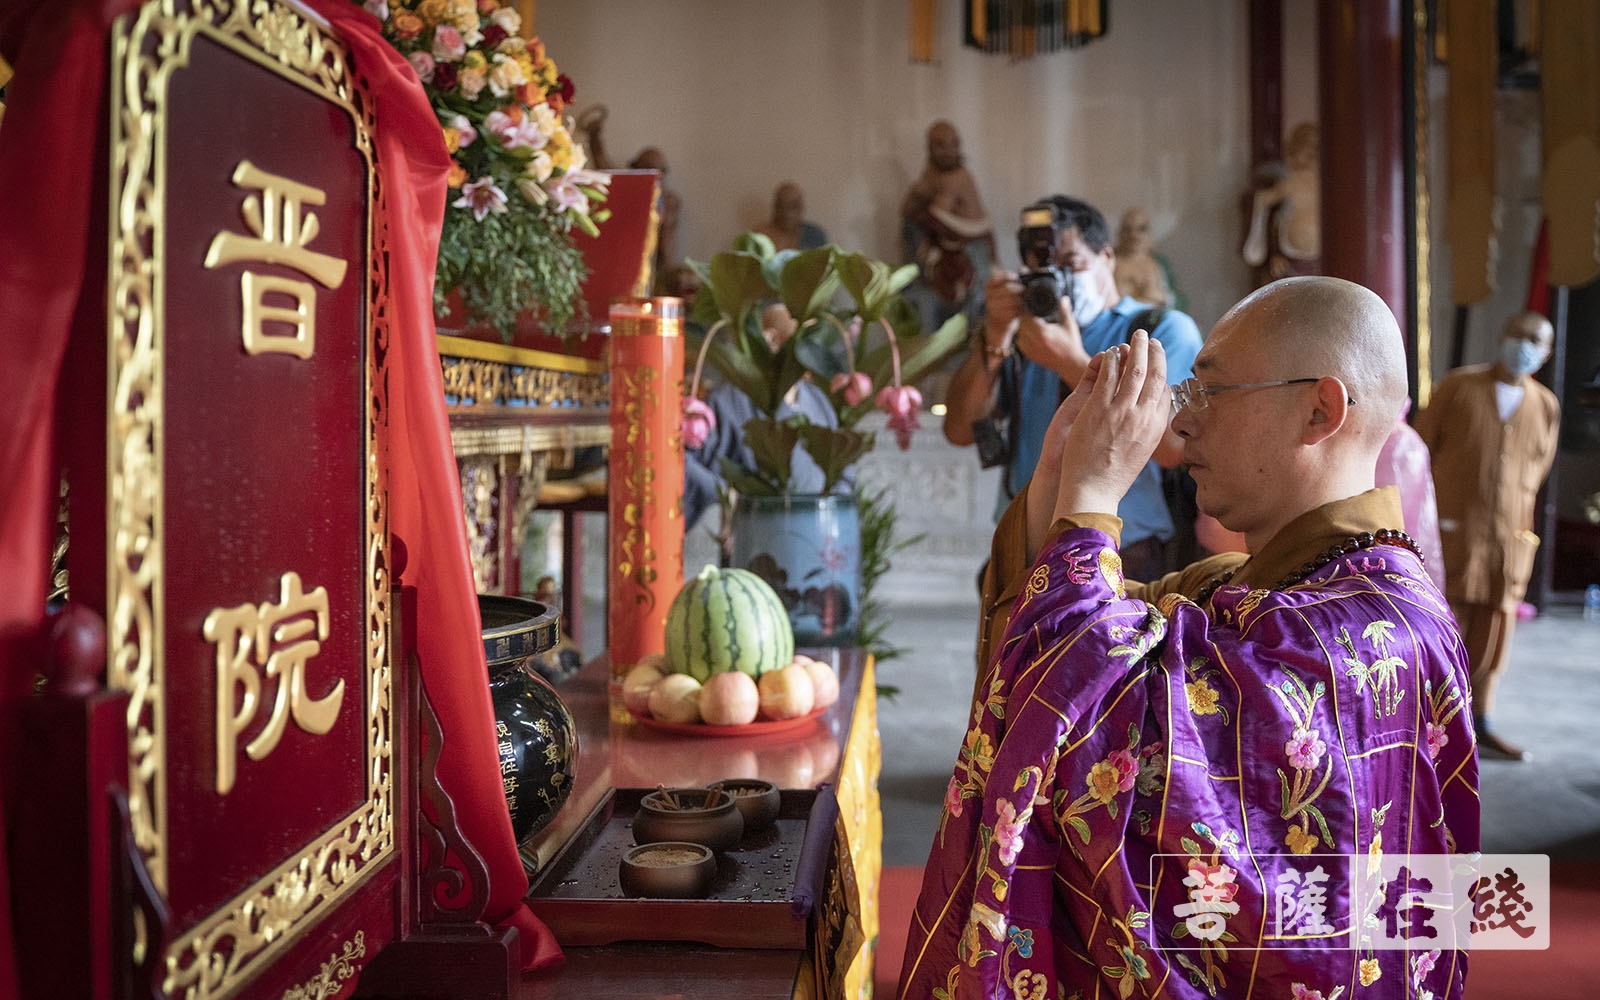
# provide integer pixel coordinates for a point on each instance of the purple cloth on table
(1113, 731)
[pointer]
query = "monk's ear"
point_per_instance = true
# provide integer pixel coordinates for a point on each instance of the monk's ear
(1330, 409)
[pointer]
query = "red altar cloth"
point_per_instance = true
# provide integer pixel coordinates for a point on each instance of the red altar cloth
(56, 104)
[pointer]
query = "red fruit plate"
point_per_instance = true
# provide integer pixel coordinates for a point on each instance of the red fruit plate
(760, 727)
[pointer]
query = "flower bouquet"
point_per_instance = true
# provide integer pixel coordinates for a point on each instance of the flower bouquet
(868, 354)
(518, 180)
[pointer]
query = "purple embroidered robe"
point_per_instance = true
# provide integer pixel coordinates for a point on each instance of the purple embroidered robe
(1327, 718)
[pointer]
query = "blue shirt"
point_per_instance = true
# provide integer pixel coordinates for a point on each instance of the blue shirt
(1144, 510)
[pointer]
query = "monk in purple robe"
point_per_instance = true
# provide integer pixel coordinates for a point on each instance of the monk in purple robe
(1180, 788)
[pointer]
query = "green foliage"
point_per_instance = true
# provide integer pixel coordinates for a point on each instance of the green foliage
(507, 263)
(879, 543)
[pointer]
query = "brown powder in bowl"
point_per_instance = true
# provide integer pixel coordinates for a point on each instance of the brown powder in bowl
(666, 857)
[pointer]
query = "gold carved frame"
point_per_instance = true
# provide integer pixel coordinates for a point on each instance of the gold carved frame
(233, 944)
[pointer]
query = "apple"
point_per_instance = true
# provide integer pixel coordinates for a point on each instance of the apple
(824, 680)
(729, 699)
(787, 693)
(637, 684)
(676, 698)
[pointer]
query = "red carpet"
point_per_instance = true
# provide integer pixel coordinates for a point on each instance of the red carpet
(1569, 970)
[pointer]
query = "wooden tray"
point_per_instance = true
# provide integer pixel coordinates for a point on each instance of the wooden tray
(762, 897)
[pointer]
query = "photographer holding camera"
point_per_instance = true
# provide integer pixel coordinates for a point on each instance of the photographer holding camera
(1041, 327)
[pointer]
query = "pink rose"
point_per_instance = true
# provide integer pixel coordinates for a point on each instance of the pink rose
(448, 45)
(952, 798)
(1437, 738)
(698, 422)
(1305, 748)
(854, 386)
(423, 64)
(1126, 766)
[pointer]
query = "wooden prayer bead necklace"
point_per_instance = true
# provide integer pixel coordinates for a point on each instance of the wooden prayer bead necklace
(1365, 540)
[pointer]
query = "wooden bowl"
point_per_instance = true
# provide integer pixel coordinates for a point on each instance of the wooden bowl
(755, 799)
(702, 816)
(667, 870)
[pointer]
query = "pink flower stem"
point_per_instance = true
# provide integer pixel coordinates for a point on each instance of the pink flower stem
(894, 348)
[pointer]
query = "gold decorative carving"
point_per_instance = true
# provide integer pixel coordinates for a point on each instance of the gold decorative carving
(636, 549)
(338, 968)
(532, 469)
(557, 441)
(480, 503)
(477, 382)
(58, 552)
(228, 947)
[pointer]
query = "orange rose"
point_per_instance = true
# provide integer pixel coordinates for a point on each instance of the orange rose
(457, 175)
(536, 49)
(406, 24)
(513, 111)
(530, 93)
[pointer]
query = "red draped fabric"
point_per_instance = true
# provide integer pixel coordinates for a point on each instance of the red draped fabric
(55, 104)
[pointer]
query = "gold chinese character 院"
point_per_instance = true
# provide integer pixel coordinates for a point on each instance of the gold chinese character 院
(282, 229)
(277, 638)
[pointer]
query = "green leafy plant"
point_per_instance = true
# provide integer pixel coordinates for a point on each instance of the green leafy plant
(868, 353)
(880, 541)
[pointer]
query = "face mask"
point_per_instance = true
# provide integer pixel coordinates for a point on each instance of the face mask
(1087, 302)
(1521, 357)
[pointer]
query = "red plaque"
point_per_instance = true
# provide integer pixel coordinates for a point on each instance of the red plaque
(248, 563)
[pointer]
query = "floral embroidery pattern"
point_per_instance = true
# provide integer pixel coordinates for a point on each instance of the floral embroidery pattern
(1302, 993)
(1208, 974)
(1382, 675)
(1133, 967)
(1106, 780)
(1371, 972)
(1442, 707)
(1203, 698)
(1134, 644)
(1305, 750)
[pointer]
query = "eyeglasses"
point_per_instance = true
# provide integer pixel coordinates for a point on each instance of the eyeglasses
(1195, 395)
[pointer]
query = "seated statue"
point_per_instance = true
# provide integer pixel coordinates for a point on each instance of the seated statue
(1141, 273)
(788, 228)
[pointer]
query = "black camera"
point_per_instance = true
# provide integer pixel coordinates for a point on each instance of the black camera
(991, 437)
(1044, 284)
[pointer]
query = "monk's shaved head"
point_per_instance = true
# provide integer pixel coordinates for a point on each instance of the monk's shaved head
(1319, 326)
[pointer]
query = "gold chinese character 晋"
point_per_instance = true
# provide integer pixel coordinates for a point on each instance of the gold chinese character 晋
(276, 637)
(282, 229)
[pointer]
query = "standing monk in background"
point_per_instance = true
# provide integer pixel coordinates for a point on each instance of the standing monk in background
(947, 233)
(1149, 765)
(1492, 430)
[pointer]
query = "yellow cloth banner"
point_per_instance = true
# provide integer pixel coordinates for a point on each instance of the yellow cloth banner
(921, 30)
(1569, 59)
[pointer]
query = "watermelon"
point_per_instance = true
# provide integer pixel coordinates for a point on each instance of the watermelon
(727, 619)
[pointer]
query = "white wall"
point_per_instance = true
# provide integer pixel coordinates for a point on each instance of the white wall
(742, 94)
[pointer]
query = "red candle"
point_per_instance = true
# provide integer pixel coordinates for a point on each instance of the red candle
(646, 477)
